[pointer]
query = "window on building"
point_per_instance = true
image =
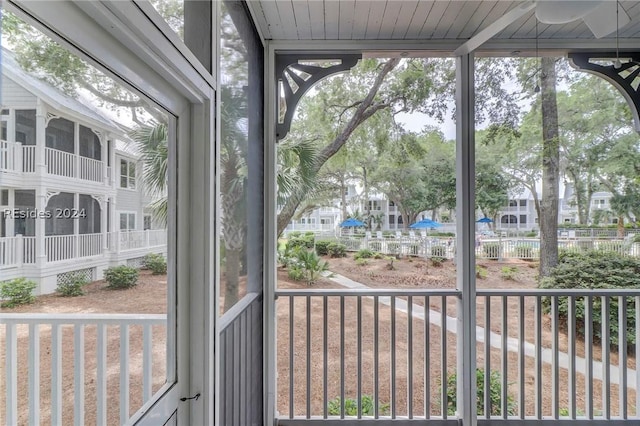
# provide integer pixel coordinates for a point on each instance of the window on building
(391, 204)
(392, 219)
(400, 222)
(147, 222)
(523, 218)
(60, 135)
(127, 174)
(3, 130)
(127, 221)
(4, 197)
(26, 126)
(523, 203)
(90, 146)
(513, 203)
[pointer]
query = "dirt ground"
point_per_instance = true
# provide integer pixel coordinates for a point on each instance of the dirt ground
(411, 357)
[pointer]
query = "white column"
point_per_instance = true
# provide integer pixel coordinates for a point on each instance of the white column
(41, 205)
(103, 223)
(465, 230)
(76, 149)
(41, 139)
(10, 221)
(76, 224)
(103, 157)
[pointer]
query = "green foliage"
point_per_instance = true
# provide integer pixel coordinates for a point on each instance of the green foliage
(596, 270)
(491, 250)
(120, 277)
(509, 272)
(18, 291)
(495, 394)
(437, 261)
(337, 250)
(296, 273)
(351, 406)
(362, 262)
(305, 241)
(531, 234)
(305, 265)
(156, 263)
(322, 247)
(363, 254)
(73, 287)
(524, 251)
(611, 246)
(636, 238)
(481, 272)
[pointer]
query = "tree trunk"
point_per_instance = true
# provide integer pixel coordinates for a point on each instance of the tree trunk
(232, 275)
(550, 169)
(620, 226)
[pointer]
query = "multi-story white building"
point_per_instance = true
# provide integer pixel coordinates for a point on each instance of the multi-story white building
(71, 190)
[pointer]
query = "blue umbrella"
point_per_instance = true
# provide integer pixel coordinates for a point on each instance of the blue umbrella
(351, 222)
(484, 220)
(424, 224)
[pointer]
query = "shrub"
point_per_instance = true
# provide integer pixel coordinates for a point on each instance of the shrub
(351, 407)
(596, 270)
(363, 254)
(73, 287)
(322, 247)
(305, 241)
(18, 291)
(120, 277)
(378, 255)
(636, 238)
(524, 251)
(362, 262)
(495, 394)
(509, 272)
(437, 261)
(311, 264)
(337, 250)
(156, 263)
(481, 272)
(491, 250)
(296, 273)
(531, 234)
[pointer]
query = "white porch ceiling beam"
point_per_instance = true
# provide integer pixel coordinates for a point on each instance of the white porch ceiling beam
(500, 24)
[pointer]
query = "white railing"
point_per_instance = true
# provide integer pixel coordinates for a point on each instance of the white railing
(10, 156)
(89, 245)
(91, 169)
(16, 251)
(102, 357)
(28, 158)
(60, 247)
(542, 348)
(156, 237)
(131, 240)
(60, 163)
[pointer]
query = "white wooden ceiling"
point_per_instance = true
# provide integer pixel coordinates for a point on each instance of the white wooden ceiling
(411, 20)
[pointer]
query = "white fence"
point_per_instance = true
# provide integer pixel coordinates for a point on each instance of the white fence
(103, 360)
(10, 156)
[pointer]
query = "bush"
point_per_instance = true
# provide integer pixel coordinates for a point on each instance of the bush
(481, 272)
(337, 250)
(491, 250)
(362, 262)
(120, 277)
(509, 272)
(636, 238)
(156, 263)
(296, 273)
(596, 270)
(73, 287)
(351, 407)
(322, 247)
(495, 394)
(311, 264)
(437, 261)
(363, 254)
(305, 241)
(18, 291)
(524, 251)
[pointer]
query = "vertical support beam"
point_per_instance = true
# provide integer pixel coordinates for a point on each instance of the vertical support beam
(41, 205)
(200, 21)
(76, 150)
(103, 157)
(76, 223)
(465, 230)
(41, 140)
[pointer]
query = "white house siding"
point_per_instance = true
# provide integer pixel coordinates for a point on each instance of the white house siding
(16, 96)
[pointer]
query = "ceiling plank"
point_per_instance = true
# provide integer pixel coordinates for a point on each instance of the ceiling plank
(302, 20)
(360, 19)
(273, 19)
(261, 20)
(435, 15)
(449, 19)
(345, 24)
(469, 9)
(418, 20)
(331, 19)
(376, 13)
(478, 17)
(316, 17)
(405, 16)
(390, 19)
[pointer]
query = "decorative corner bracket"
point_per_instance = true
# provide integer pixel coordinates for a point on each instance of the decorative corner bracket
(626, 78)
(297, 73)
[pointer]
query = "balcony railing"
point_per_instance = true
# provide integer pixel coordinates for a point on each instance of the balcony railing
(399, 347)
(101, 362)
(10, 156)
(60, 163)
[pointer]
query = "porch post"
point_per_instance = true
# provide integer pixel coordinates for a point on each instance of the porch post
(76, 225)
(41, 139)
(465, 234)
(103, 223)
(41, 205)
(103, 157)
(10, 221)
(76, 150)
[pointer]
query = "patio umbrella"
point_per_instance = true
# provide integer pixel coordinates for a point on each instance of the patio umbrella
(425, 224)
(484, 220)
(351, 222)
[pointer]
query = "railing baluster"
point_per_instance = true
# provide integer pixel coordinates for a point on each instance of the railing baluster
(555, 382)
(606, 359)
(487, 356)
(308, 356)
(376, 357)
(291, 354)
(443, 356)
(147, 363)
(427, 358)
(521, 357)
(622, 356)
(325, 356)
(34, 375)
(571, 319)
(124, 373)
(410, 357)
(78, 376)
(101, 372)
(56, 374)
(342, 376)
(504, 359)
(538, 358)
(11, 380)
(392, 348)
(359, 343)
(588, 356)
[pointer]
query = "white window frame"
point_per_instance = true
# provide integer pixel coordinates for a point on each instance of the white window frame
(133, 42)
(130, 180)
(129, 214)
